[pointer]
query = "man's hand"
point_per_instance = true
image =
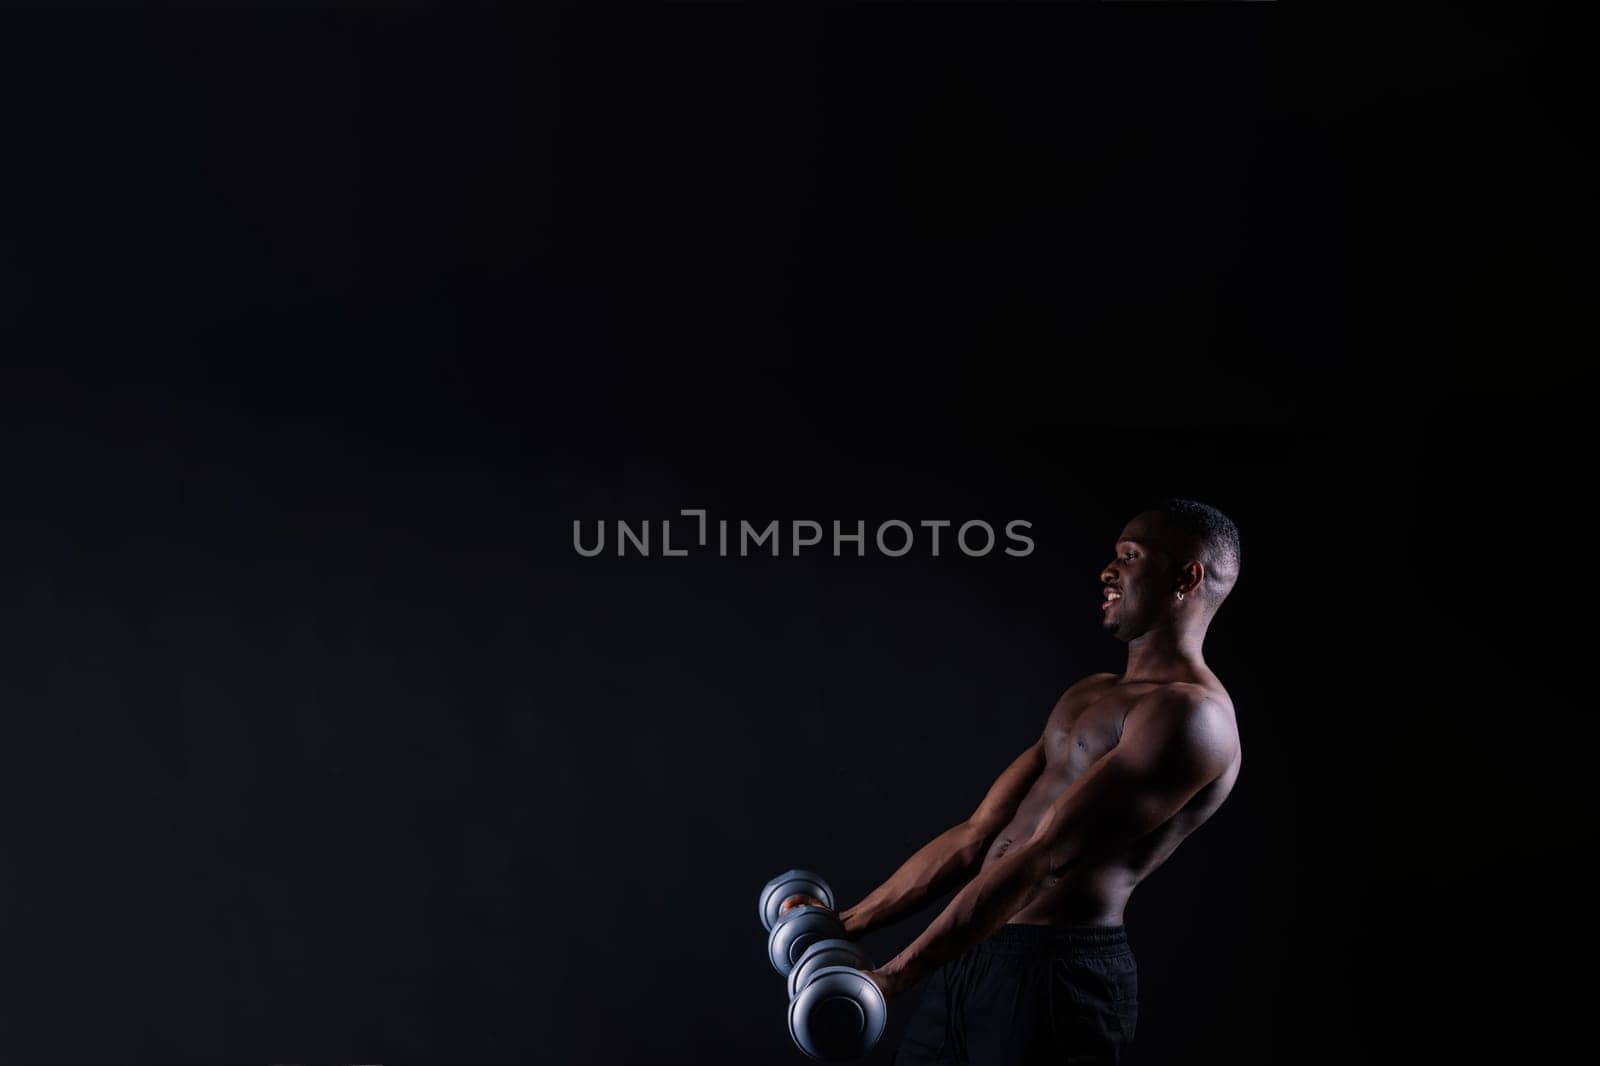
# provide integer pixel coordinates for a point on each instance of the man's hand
(799, 900)
(888, 983)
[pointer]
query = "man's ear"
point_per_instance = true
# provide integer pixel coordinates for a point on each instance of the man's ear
(1190, 577)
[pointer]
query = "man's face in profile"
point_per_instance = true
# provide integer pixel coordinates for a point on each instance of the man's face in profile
(1134, 586)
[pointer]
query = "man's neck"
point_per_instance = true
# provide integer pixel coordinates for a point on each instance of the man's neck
(1169, 654)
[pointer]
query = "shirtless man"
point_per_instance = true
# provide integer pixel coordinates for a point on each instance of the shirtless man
(1030, 959)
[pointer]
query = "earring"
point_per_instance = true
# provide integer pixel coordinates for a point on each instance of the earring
(1180, 595)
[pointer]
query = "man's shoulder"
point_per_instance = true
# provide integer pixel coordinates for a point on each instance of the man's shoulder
(1187, 696)
(1187, 713)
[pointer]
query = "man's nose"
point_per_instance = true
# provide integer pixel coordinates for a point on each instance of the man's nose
(1109, 574)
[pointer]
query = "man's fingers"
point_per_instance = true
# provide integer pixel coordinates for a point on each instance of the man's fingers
(799, 901)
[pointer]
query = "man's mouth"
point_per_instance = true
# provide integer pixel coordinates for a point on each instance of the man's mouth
(1111, 596)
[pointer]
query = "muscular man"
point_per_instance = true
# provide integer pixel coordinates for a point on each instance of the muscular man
(1030, 961)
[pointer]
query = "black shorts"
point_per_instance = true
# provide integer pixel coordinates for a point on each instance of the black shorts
(1029, 993)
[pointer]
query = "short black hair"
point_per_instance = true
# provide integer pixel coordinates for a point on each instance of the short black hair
(1214, 537)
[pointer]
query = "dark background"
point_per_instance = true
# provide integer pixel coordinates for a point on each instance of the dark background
(318, 742)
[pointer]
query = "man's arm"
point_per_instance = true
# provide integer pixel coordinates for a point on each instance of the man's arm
(1173, 744)
(950, 856)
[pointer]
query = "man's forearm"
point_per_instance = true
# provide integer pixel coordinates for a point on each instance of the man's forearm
(938, 865)
(976, 912)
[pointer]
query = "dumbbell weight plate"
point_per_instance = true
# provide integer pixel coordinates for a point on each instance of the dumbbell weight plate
(792, 883)
(831, 952)
(839, 1015)
(798, 930)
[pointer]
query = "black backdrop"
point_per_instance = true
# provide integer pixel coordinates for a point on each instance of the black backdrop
(319, 741)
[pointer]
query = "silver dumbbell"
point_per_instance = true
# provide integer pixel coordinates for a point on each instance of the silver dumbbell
(792, 931)
(793, 883)
(835, 951)
(838, 1015)
(836, 1012)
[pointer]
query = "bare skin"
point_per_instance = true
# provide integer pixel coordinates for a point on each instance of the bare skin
(1127, 766)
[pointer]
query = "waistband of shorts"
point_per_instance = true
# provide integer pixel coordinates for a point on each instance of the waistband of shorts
(1015, 938)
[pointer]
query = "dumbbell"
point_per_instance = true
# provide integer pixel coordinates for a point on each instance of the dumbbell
(793, 883)
(792, 931)
(836, 1012)
(834, 951)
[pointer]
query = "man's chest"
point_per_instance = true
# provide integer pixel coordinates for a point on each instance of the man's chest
(1083, 729)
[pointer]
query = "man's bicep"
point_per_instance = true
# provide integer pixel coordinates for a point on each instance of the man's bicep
(1169, 751)
(1172, 751)
(1177, 743)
